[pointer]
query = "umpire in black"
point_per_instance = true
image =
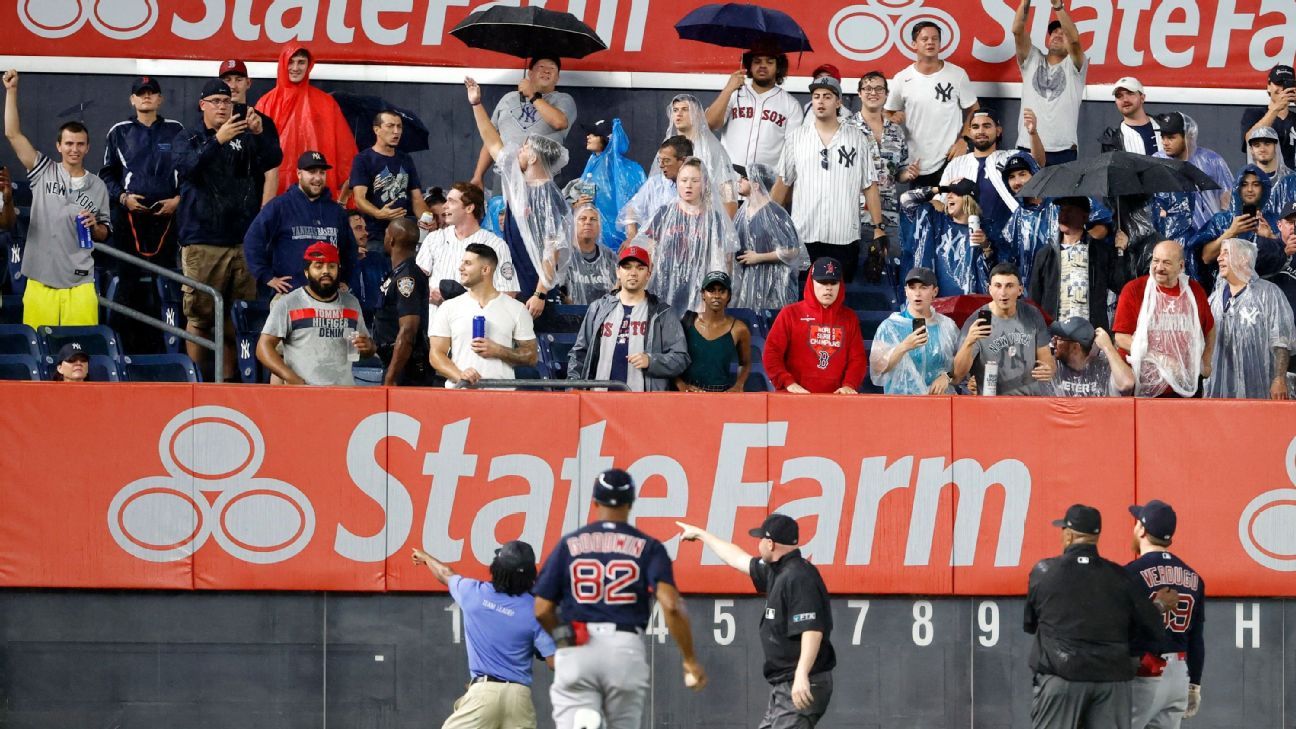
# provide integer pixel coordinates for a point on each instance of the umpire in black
(796, 625)
(400, 325)
(1083, 610)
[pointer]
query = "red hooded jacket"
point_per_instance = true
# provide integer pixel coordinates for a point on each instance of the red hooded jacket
(308, 119)
(817, 347)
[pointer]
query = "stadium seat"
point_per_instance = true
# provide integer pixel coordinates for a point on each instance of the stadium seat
(171, 311)
(102, 368)
(869, 321)
(757, 381)
(21, 339)
(249, 319)
(870, 297)
(160, 368)
(11, 309)
(867, 386)
(19, 367)
(556, 346)
(94, 340)
(366, 375)
(753, 319)
(17, 281)
(564, 318)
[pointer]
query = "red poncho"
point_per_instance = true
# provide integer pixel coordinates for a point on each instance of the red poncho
(308, 119)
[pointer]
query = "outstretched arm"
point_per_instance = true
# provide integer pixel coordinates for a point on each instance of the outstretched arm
(490, 137)
(1020, 34)
(730, 553)
(440, 569)
(13, 128)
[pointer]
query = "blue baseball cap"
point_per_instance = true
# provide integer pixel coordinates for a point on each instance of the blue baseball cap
(1157, 517)
(614, 487)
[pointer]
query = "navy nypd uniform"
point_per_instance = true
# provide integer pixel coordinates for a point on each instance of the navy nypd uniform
(404, 293)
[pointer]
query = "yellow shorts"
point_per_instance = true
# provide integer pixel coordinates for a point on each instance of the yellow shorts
(48, 307)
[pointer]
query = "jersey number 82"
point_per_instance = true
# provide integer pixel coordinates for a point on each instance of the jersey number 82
(593, 581)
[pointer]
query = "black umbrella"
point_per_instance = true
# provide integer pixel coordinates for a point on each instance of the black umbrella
(360, 112)
(1115, 174)
(741, 25)
(528, 32)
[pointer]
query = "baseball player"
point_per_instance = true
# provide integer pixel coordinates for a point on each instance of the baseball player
(797, 623)
(1167, 687)
(593, 596)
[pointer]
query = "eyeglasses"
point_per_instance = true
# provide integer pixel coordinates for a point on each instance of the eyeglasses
(872, 90)
(219, 103)
(823, 158)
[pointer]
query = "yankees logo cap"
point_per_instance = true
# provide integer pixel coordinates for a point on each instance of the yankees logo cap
(827, 82)
(72, 350)
(781, 528)
(310, 160)
(826, 270)
(1081, 518)
(1157, 517)
(614, 487)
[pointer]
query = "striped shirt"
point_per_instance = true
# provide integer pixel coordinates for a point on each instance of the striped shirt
(757, 125)
(966, 167)
(828, 181)
(441, 251)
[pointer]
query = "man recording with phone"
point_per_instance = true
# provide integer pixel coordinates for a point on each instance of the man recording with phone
(1282, 95)
(1006, 343)
(914, 348)
(1249, 219)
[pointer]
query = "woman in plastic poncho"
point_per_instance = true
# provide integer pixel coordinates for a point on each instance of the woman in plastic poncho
(691, 237)
(771, 255)
(1253, 329)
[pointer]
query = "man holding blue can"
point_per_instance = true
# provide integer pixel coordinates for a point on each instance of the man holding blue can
(69, 212)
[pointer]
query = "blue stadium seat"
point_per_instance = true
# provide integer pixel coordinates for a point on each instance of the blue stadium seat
(869, 322)
(102, 368)
(867, 387)
(160, 368)
(564, 318)
(870, 297)
(754, 320)
(21, 339)
(17, 281)
(11, 309)
(555, 347)
(94, 340)
(19, 367)
(757, 381)
(171, 311)
(249, 319)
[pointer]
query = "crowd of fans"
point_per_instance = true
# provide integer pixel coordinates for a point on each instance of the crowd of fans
(752, 202)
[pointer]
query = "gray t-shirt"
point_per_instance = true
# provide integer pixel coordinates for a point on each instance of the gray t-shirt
(589, 278)
(515, 118)
(314, 334)
(1095, 380)
(1012, 343)
(53, 256)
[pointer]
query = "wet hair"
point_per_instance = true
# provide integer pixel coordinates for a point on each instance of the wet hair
(75, 127)
(780, 63)
(472, 195)
(694, 162)
(512, 582)
(913, 34)
(546, 150)
(1006, 268)
(485, 252)
(680, 144)
(377, 120)
(877, 75)
(763, 174)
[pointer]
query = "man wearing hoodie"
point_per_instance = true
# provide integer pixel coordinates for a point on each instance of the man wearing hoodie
(1071, 275)
(308, 118)
(1179, 141)
(290, 223)
(1248, 218)
(815, 344)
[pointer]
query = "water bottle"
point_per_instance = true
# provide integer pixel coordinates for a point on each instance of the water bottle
(479, 327)
(83, 233)
(353, 352)
(991, 384)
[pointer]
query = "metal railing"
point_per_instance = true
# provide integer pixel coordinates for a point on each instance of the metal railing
(216, 345)
(553, 384)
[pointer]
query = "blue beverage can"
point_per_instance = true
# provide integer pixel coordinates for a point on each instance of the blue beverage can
(83, 233)
(479, 327)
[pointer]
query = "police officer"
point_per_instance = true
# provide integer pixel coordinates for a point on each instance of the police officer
(1167, 687)
(501, 632)
(400, 330)
(594, 596)
(795, 628)
(1083, 610)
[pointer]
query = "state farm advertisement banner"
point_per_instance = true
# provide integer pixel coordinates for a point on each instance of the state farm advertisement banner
(1176, 43)
(183, 487)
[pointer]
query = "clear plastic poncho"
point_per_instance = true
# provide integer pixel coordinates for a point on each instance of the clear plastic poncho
(945, 246)
(763, 226)
(616, 179)
(706, 147)
(1168, 341)
(918, 368)
(542, 215)
(1204, 203)
(688, 240)
(586, 279)
(656, 193)
(1249, 325)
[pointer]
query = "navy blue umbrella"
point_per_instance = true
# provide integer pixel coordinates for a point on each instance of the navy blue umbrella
(740, 25)
(360, 111)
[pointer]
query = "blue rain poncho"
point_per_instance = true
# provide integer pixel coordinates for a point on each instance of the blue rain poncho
(616, 179)
(1205, 203)
(1249, 325)
(763, 226)
(945, 246)
(1269, 250)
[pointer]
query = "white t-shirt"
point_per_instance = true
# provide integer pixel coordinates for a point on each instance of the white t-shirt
(756, 125)
(507, 322)
(442, 250)
(1054, 93)
(933, 106)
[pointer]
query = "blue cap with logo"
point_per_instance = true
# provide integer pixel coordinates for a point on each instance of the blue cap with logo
(614, 487)
(1157, 517)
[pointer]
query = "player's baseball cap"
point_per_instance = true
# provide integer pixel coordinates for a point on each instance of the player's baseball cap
(1077, 329)
(921, 275)
(1081, 518)
(72, 350)
(1171, 123)
(1157, 517)
(781, 528)
(829, 69)
(1280, 73)
(961, 186)
(515, 556)
(311, 160)
(145, 83)
(1129, 83)
(719, 277)
(826, 270)
(233, 66)
(215, 87)
(322, 252)
(637, 253)
(827, 82)
(614, 487)
(1263, 134)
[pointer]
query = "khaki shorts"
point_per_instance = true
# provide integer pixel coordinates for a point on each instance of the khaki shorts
(220, 267)
(493, 706)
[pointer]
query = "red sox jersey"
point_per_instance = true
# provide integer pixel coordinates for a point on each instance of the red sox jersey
(756, 124)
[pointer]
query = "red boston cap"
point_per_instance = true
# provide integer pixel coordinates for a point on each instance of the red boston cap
(638, 253)
(233, 65)
(322, 252)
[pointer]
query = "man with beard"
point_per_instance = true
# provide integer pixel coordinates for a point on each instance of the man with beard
(982, 166)
(384, 180)
(1014, 338)
(304, 215)
(1249, 217)
(320, 328)
(1071, 276)
(1052, 82)
(1137, 132)
(1088, 363)
(756, 117)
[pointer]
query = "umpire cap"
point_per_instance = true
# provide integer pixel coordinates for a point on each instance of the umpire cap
(781, 528)
(614, 487)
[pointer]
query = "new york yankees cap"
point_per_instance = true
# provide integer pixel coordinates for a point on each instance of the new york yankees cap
(310, 160)
(614, 487)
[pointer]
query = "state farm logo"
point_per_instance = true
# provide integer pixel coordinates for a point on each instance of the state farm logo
(116, 19)
(1267, 527)
(873, 29)
(211, 451)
